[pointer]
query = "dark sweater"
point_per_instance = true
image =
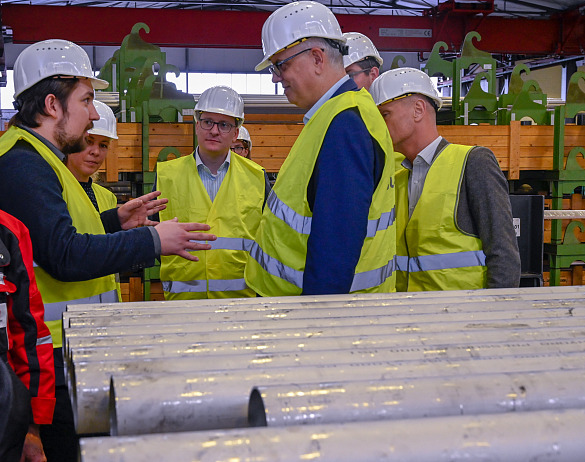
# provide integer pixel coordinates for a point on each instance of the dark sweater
(30, 190)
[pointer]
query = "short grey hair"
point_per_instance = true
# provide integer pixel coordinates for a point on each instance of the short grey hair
(333, 53)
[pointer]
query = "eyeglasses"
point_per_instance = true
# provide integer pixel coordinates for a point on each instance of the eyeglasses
(353, 74)
(223, 127)
(238, 149)
(276, 68)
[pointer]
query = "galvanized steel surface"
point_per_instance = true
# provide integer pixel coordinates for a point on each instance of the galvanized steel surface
(91, 401)
(393, 399)
(513, 437)
(415, 354)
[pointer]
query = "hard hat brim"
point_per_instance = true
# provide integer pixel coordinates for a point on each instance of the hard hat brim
(99, 84)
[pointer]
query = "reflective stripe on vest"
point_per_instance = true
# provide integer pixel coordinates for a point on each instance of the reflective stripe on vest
(231, 243)
(215, 285)
(372, 278)
(3, 315)
(361, 281)
(302, 224)
(296, 221)
(384, 222)
(53, 311)
(401, 263)
(45, 340)
(446, 261)
(275, 267)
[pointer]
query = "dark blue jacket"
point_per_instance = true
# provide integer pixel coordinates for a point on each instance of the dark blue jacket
(348, 169)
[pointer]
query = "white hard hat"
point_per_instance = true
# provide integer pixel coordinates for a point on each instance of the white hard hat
(222, 100)
(245, 135)
(106, 126)
(403, 81)
(360, 47)
(293, 22)
(52, 57)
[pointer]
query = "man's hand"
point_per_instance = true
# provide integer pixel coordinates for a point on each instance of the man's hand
(135, 213)
(178, 238)
(33, 447)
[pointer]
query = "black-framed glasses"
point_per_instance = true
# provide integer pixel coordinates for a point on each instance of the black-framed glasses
(238, 149)
(223, 127)
(276, 68)
(353, 74)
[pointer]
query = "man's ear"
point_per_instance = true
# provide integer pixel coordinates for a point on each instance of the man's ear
(374, 73)
(419, 109)
(53, 107)
(318, 57)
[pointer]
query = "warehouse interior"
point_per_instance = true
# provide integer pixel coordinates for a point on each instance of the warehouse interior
(491, 374)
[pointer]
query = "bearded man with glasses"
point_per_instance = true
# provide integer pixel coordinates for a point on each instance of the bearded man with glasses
(328, 226)
(225, 191)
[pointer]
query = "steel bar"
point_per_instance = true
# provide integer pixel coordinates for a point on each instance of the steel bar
(512, 437)
(83, 346)
(515, 294)
(312, 327)
(187, 314)
(356, 300)
(90, 385)
(564, 214)
(415, 349)
(337, 402)
(360, 317)
(198, 401)
(103, 315)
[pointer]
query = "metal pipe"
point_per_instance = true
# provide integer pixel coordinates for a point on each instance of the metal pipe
(394, 399)
(404, 322)
(512, 437)
(493, 294)
(208, 388)
(559, 310)
(157, 314)
(88, 345)
(355, 300)
(382, 341)
(312, 326)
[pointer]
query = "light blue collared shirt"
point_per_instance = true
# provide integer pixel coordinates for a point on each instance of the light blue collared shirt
(212, 182)
(328, 94)
(418, 173)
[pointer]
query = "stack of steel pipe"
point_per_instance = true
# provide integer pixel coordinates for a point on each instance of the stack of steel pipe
(335, 362)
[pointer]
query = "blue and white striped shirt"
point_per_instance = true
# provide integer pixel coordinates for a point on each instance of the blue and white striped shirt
(212, 182)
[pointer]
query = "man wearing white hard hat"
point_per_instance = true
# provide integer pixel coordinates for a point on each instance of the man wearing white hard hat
(217, 187)
(455, 228)
(74, 254)
(363, 61)
(328, 226)
(243, 144)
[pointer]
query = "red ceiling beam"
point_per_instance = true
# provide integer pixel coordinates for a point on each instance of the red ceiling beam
(231, 29)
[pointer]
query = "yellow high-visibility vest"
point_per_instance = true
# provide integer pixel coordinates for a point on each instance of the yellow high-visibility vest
(107, 200)
(433, 253)
(278, 260)
(58, 294)
(233, 216)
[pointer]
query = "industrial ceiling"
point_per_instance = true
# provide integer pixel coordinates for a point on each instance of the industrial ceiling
(505, 8)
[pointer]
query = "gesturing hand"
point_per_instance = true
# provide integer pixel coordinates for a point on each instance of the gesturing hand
(178, 238)
(135, 213)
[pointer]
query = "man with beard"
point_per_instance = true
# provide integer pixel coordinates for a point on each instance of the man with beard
(75, 250)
